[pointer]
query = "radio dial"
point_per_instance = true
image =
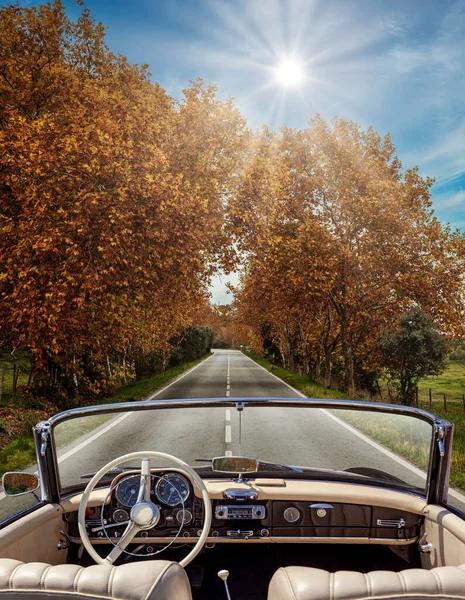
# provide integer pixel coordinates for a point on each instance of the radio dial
(242, 512)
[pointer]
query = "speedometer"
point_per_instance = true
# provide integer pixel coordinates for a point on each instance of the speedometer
(127, 490)
(172, 489)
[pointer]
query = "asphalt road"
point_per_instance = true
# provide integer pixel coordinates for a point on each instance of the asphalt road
(293, 436)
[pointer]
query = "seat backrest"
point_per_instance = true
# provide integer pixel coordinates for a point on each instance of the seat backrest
(304, 583)
(150, 580)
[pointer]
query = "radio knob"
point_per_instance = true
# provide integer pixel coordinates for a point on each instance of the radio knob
(220, 513)
(264, 532)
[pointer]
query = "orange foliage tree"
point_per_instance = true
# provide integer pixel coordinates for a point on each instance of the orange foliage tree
(337, 241)
(111, 196)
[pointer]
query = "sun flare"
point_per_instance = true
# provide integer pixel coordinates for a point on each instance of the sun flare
(289, 73)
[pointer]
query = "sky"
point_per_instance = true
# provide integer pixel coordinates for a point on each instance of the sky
(396, 65)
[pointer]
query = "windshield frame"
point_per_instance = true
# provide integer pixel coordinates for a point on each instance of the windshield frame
(440, 448)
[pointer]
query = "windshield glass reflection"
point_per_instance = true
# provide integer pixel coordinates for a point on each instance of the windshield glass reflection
(341, 444)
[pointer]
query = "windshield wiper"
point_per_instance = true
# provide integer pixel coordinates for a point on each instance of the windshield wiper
(263, 462)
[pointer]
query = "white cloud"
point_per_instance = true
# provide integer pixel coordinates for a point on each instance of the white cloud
(450, 199)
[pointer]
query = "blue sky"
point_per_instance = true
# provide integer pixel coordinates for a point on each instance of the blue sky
(396, 65)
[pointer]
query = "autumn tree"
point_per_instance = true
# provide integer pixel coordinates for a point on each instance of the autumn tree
(337, 241)
(111, 197)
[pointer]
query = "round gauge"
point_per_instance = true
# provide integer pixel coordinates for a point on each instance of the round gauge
(183, 516)
(172, 489)
(292, 514)
(120, 515)
(127, 490)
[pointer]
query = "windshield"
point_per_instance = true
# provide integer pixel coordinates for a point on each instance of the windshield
(344, 445)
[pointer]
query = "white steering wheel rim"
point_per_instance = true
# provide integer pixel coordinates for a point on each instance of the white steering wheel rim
(193, 476)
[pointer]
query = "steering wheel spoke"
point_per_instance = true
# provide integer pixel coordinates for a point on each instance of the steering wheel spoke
(144, 487)
(129, 533)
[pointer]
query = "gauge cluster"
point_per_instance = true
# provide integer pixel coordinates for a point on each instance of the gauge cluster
(171, 489)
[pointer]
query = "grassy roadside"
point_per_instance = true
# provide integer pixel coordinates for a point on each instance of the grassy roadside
(300, 382)
(20, 452)
(398, 443)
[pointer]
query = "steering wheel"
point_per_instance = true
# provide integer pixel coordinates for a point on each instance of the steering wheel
(144, 514)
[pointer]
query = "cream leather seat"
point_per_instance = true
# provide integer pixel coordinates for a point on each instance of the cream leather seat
(303, 583)
(151, 580)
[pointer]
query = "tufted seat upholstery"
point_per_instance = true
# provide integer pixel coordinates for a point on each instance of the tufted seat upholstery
(151, 580)
(303, 583)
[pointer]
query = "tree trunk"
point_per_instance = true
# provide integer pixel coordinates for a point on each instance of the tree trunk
(348, 355)
(2, 380)
(124, 368)
(15, 380)
(108, 367)
(328, 369)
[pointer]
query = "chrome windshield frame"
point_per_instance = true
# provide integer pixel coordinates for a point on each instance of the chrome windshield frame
(440, 451)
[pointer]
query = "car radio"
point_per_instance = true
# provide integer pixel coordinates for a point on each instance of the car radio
(227, 511)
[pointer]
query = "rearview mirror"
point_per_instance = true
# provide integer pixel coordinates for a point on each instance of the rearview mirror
(235, 464)
(17, 484)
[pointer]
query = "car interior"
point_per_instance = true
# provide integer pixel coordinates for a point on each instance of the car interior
(225, 530)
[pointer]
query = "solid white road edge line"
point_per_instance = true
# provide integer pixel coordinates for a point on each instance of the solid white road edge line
(385, 451)
(125, 415)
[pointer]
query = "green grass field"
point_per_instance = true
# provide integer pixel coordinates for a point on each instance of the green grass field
(452, 384)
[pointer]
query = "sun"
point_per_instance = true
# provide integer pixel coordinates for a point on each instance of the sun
(289, 73)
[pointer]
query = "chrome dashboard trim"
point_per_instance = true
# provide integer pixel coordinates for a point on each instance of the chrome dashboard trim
(268, 540)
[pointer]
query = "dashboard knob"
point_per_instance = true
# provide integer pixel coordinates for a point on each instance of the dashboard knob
(183, 516)
(292, 514)
(264, 532)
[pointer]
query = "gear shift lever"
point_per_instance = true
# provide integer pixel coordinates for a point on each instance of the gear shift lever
(223, 575)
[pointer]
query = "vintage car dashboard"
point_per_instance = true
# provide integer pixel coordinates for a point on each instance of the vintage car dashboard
(249, 513)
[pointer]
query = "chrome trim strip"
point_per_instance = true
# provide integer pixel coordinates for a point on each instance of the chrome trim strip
(274, 402)
(232, 402)
(267, 540)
